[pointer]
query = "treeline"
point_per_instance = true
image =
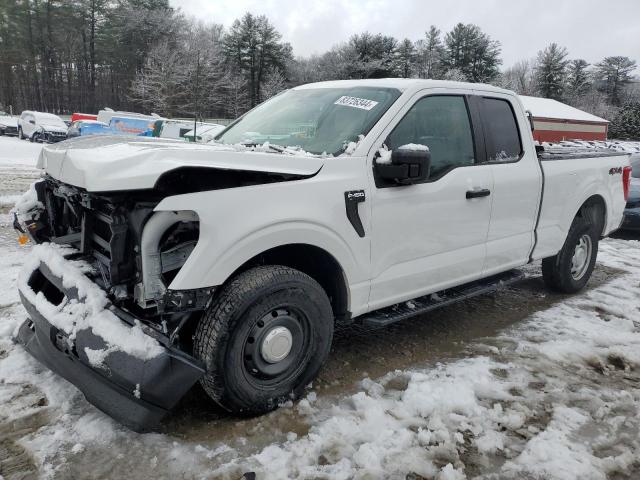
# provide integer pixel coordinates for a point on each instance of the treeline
(81, 55)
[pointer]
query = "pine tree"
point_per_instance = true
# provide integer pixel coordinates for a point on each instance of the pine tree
(406, 58)
(254, 47)
(430, 52)
(551, 71)
(614, 73)
(578, 82)
(472, 52)
(626, 124)
(370, 56)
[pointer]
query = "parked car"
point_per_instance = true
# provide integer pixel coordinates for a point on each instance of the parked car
(138, 126)
(83, 116)
(105, 115)
(632, 210)
(338, 202)
(204, 133)
(8, 125)
(175, 129)
(88, 127)
(41, 127)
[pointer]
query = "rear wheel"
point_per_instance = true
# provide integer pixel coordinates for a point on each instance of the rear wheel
(20, 135)
(264, 339)
(570, 270)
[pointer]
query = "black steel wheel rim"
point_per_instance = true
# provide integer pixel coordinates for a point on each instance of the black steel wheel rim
(259, 371)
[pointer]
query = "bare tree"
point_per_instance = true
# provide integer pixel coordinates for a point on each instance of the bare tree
(519, 78)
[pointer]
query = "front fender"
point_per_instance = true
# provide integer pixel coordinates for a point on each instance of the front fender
(236, 224)
(206, 268)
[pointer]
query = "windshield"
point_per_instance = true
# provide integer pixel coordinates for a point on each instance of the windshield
(50, 120)
(320, 120)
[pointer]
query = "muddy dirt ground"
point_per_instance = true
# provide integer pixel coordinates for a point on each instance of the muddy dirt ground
(445, 335)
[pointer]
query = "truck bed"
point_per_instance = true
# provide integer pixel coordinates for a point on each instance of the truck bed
(571, 176)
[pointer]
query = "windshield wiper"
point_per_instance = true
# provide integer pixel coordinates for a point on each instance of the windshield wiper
(277, 148)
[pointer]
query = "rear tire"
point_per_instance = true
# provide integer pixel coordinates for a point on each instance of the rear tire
(570, 270)
(264, 339)
(20, 135)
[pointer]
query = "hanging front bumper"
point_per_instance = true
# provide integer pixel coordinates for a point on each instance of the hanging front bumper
(137, 393)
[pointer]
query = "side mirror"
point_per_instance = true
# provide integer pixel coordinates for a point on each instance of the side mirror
(406, 166)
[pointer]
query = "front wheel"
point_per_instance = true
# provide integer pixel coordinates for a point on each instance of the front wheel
(570, 270)
(264, 339)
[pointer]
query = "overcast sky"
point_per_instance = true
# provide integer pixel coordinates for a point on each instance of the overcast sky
(590, 29)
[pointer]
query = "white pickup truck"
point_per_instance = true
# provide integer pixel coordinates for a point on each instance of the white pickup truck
(346, 201)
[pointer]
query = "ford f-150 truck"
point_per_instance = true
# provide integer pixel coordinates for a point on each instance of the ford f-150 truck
(163, 263)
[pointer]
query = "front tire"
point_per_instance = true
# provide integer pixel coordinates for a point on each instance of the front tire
(570, 270)
(264, 339)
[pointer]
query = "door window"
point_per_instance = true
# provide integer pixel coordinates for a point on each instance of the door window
(442, 124)
(503, 136)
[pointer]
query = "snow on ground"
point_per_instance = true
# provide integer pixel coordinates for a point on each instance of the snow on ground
(556, 396)
(16, 152)
(17, 169)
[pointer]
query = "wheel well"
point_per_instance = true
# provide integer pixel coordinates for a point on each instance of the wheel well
(594, 209)
(315, 262)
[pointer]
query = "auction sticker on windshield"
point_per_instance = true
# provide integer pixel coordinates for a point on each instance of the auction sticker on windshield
(355, 102)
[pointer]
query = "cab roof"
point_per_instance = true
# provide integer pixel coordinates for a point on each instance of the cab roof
(403, 84)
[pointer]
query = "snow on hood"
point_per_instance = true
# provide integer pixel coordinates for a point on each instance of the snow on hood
(110, 163)
(8, 121)
(90, 313)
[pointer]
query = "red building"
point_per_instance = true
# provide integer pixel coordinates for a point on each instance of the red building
(554, 121)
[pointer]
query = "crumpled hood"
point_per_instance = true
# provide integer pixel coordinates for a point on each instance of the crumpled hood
(111, 163)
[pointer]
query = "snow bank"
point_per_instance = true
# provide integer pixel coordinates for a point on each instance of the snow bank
(530, 410)
(91, 313)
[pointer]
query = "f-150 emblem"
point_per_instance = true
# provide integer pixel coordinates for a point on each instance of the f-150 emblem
(351, 200)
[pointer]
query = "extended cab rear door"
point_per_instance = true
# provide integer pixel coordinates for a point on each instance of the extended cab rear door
(517, 180)
(431, 235)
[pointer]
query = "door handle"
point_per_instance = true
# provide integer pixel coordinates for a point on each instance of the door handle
(482, 192)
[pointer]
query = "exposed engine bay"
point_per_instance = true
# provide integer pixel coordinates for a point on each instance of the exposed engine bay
(135, 252)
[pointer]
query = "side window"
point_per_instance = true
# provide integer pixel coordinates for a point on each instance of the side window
(501, 130)
(442, 124)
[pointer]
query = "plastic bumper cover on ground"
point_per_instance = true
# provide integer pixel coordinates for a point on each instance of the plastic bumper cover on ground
(135, 392)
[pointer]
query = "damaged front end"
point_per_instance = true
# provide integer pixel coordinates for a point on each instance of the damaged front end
(129, 255)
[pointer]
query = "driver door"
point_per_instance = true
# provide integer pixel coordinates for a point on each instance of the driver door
(431, 235)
